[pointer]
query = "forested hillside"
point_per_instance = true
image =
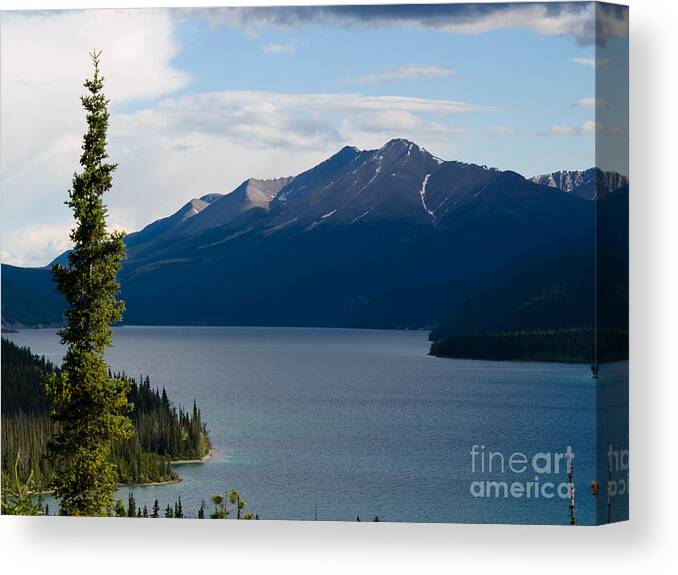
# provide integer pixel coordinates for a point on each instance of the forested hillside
(163, 432)
(569, 308)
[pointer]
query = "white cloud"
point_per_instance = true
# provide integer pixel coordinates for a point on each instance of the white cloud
(280, 47)
(592, 127)
(34, 245)
(598, 103)
(588, 127)
(265, 120)
(43, 62)
(376, 127)
(587, 22)
(560, 130)
(536, 18)
(412, 72)
(564, 131)
(42, 74)
(592, 62)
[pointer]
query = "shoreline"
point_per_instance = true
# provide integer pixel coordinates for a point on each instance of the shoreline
(121, 485)
(203, 459)
(151, 483)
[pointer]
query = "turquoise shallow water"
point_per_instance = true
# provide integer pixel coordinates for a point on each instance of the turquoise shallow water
(363, 422)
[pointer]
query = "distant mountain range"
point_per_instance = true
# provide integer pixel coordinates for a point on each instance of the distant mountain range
(590, 184)
(387, 238)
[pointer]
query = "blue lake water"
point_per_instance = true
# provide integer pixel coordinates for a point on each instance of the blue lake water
(362, 422)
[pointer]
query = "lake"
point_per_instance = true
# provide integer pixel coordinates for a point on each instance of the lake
(339, 423)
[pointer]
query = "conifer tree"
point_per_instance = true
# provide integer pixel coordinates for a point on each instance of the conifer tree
(178, 509)
(131, 505)
(156, 510)
(90, 406)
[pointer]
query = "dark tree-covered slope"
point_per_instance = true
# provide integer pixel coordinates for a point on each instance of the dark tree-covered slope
(163, 432)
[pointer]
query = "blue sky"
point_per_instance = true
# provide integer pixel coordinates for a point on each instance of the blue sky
(531, 80)
(202, 99)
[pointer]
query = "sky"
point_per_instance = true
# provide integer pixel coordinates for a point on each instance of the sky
(202, 99)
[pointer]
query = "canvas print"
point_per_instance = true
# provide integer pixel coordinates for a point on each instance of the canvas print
(351, 263)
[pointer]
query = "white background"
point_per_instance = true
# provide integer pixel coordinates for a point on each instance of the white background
(648, 543)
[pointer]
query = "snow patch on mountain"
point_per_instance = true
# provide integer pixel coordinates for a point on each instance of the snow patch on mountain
(422, 193)
(361, 216)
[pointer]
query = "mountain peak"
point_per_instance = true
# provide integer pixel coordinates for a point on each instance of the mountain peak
(347, 153)
(398, 143)
(399, 149)
(252, 194)
(348, 149)
(400, 146)
(210, 198)
(259, 192)
(192, 208)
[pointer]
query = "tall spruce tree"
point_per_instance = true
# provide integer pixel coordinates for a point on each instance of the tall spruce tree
(90, 406)
(131, 505)
(156, 510)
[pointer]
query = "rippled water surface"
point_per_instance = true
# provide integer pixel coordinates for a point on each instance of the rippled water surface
(359, 422)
